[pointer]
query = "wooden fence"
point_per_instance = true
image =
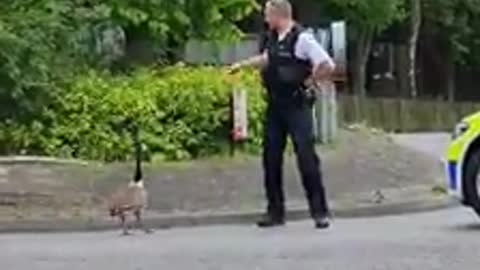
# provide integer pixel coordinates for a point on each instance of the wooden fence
(403, 115)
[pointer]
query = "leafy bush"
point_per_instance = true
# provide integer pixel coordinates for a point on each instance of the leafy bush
(183, 113)
(46, 43)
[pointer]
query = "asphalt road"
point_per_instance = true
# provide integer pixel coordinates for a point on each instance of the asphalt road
(430, 143)
(446, 239)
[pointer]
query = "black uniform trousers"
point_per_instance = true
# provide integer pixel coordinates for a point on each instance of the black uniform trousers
(294, 119)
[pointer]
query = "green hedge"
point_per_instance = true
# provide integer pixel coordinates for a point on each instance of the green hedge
(183, 112)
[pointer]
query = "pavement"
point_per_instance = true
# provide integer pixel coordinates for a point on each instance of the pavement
(385, 202)
(367, 174)
(431, 143)
(445, 239)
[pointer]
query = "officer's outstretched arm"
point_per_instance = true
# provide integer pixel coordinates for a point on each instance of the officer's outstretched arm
(257, 61)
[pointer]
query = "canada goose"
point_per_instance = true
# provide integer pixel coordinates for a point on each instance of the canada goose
(131, 198)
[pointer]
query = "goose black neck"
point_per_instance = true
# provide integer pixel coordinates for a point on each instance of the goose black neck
(138, 156)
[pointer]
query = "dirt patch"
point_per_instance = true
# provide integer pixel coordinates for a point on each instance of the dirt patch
(362, 161)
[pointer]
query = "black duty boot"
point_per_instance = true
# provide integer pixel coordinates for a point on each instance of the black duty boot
(268, 221)
(322, 221)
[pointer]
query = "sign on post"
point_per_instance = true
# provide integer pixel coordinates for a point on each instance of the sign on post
(239, 115)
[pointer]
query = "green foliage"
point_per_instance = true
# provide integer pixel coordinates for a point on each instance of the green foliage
(41, 40)
(375, 15)
(33, 54)
(168, 21)
(50, 104)
(217, 17)
(183, 113)
(455, 24)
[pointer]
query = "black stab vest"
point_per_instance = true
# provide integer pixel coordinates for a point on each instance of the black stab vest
(285, 74)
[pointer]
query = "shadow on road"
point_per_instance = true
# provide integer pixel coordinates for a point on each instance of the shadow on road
(466, 227)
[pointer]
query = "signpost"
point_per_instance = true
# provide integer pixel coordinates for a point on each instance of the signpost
(239, 118)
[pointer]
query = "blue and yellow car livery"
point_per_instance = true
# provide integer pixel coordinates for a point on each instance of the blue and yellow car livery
(464, 144)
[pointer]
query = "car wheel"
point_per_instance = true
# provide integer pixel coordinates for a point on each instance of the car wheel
(471, 181)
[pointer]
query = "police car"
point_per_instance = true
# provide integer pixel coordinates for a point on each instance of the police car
(462, 164)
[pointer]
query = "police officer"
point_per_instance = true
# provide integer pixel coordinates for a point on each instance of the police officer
(291, 60)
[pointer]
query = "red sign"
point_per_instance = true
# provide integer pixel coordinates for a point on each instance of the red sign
(239, 114)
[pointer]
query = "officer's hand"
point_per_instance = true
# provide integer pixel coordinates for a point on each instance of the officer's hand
(309, 83)
(234, 68)
(323, 71)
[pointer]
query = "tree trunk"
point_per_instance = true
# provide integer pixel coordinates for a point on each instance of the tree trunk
(361, 55)
(451, 80)
(402, 69)
(415, 23)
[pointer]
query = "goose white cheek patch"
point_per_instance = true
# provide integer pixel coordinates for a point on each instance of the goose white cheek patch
(136, 184)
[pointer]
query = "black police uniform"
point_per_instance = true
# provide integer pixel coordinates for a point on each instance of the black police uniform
(289, 112)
